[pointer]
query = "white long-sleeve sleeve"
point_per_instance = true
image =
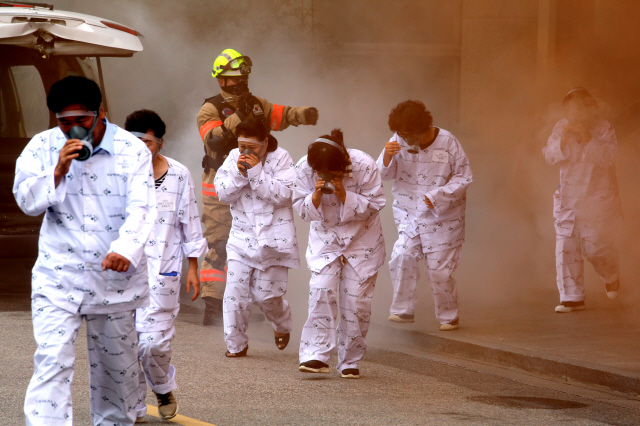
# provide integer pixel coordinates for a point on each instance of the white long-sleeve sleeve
(193, 243)
(452, 194)
(229, 182)
(140, 212)
(368, 199)
(276, 189)
(34, 185)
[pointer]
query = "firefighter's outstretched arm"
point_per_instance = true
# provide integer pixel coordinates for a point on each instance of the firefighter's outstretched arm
(282, 116)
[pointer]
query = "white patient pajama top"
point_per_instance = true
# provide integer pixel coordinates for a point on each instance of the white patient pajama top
(105, 204)
(352, 229)
(177, 234)
(588, 184)
(263, 233)
(442, 173)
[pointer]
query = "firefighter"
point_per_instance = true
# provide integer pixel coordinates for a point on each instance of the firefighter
(217, 121)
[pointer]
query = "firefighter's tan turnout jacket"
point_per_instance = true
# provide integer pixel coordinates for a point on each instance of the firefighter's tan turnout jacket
(211, 121)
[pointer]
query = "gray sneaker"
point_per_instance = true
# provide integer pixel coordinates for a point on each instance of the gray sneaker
(167, 405)
(402, 318)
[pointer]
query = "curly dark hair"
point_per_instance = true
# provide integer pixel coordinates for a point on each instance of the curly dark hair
(410, 116)
(143, 120)
(74, 90)
(324, 157)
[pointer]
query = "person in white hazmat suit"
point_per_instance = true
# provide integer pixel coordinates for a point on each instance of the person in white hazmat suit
(177, 234)
(340, 192)
(94, 183)
(432, 174)
(586, 207)
(257, 179)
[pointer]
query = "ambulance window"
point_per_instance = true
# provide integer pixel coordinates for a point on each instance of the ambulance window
(32, 97)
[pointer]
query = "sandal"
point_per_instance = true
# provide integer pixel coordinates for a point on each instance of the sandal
(238, 354)
(282, 341)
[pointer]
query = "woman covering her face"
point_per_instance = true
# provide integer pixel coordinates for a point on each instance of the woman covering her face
(587, 209)
(340, 192)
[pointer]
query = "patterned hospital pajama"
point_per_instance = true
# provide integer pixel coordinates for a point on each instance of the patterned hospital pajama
(247, 285)
(337, 285)
(597, 247)
(154, 352)
(440, 265)
(113, 362)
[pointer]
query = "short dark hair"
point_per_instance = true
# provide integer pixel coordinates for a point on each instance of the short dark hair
(410, 116)
(74, 90)
(255, 128)
(582, 95)
(322, 156)
(143, 120)
(252, 128)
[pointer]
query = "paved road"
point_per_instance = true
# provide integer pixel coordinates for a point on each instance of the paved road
(398, 387)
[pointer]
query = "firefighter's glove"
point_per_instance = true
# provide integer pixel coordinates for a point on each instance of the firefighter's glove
(244, 107)
(311, 116)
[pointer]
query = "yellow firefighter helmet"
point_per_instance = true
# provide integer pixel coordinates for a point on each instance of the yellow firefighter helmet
(231, 63)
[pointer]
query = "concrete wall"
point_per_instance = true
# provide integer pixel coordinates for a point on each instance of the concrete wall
(498, 61)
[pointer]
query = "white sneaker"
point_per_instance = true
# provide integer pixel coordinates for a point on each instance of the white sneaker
(565, 307)
(449, 326)
(613, 289)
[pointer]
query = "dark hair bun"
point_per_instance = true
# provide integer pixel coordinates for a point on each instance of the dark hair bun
(337, 135)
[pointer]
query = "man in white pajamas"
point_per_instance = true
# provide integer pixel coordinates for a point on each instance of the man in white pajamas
(587, 208)
(432, 174)
(177, 234)
(257, 179)
(93, 181)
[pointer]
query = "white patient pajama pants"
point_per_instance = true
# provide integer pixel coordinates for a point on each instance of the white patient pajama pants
(155, 352)
(113, 366)
(405, 273)
(597, 247)
(337, 285)
(156, 330)
(247, 285)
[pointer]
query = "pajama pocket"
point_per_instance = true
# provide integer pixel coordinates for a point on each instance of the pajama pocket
(165, 293)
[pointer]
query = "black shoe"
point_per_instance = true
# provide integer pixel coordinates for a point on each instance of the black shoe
(350, 373)
(212, 311)
(314, 366)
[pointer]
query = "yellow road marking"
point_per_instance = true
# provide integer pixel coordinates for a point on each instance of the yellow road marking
(152, 410)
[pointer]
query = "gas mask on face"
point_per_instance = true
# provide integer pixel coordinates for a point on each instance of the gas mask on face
(79, 132)
(247, 151)
(413, 142)
(327, 177)
(328, 187)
